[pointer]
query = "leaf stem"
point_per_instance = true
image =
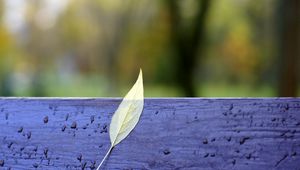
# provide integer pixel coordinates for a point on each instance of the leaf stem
(105, 157)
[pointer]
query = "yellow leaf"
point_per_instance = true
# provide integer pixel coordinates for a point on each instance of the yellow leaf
(127, 115)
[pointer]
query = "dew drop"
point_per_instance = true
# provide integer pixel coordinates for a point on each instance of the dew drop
(20, 129)
(46, 119)
(74, 125)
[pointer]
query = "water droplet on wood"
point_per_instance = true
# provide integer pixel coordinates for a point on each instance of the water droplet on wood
(46, 152)
(93, 165)
(74, 125)
(92, 119)
(79, 157)
(35, 149)
(28, 135)
(35, 165)
(63, 128)
(10, 144)
(167, 152)
(1, 163)
(233, 162)
(46, 119)
(243, 140)
(83, 166)
(67, 117)
(20, 129)
(104, 129)
(248, 156)
(231, 107)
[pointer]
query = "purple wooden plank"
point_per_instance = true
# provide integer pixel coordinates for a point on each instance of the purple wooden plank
(200, 133)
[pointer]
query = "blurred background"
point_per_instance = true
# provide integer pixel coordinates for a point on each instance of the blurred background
(205, 48)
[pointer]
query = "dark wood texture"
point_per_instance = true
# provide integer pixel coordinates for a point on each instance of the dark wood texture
(190, 133)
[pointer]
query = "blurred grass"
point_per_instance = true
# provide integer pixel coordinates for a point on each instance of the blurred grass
(95, 86)
(237, 90)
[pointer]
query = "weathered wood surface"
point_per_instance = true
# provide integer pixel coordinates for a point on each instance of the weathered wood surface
(193, 134)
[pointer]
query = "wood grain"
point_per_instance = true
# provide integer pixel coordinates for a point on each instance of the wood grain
(177, 133)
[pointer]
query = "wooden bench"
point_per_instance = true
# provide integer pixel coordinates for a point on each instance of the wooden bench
(173, 133)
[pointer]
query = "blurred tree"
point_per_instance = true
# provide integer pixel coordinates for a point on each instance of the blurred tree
(96, 32)
(115, 31)
(289, 45)
(5, 47)
(37, 47)
(1, 11)
(187, 42)
(6, 84)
